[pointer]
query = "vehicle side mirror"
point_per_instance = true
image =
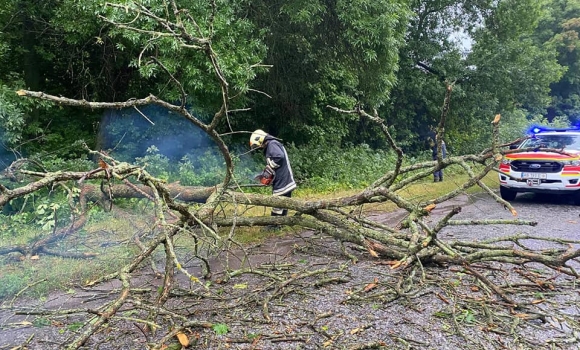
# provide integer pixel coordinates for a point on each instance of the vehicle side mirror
(514, 146)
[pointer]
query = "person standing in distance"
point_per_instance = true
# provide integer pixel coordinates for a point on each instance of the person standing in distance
(438, 175)
(278, 171)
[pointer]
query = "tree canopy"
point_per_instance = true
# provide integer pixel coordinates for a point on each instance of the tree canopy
(286, 61)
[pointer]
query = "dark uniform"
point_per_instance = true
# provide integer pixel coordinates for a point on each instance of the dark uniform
(277, 159)
(438, 175)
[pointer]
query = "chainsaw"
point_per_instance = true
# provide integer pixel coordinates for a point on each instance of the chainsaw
(266, 176)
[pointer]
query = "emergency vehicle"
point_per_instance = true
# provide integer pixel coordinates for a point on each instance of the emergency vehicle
(532, 170)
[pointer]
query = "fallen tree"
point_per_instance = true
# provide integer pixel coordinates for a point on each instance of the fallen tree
(408, 245)
(412, 241)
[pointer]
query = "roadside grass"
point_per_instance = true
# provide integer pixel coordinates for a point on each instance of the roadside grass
(416, 193)
(39, 275)
(110, 236)
(106, 234)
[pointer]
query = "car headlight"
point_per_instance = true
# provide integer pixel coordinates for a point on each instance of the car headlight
(571, 162)
(506, 161)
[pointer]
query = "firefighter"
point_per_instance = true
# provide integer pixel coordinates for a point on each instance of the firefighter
(278, 171)
(438, 175)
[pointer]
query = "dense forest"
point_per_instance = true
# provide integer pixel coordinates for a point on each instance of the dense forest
(286, 61)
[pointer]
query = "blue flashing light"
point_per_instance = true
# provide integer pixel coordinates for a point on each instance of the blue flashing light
(538, 129)
(535, 129)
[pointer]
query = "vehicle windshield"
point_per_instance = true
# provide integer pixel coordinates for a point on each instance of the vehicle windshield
(566, 142)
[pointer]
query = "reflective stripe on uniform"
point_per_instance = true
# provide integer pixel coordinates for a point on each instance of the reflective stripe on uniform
(272, 164)
(278, 211)
(284, 190)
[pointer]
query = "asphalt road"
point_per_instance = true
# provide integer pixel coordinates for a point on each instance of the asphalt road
(556, 216)
(368, 306)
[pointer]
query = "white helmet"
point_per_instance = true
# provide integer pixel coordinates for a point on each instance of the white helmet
(257, 138)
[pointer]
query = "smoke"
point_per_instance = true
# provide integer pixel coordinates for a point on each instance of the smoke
(6, 155)
(128, 134)
(171, 146)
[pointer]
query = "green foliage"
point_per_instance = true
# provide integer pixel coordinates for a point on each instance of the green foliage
(129, 133)
(322, 52)
(11, 117)
(234, 39)
(203, 168)
(75, 326)
(324, 167)
(44, 208)
(220, 328)
(340, 53)
(325, 53)
(559, 29)
(39, 211)
(511, 68)
(55, 162)
(497, 67)
(206, 169)
(49, 46)
(519, 69)
(514, 124)
(466, 316)
(318, 166)
(46, 214)
(156, 164)
(40, 322)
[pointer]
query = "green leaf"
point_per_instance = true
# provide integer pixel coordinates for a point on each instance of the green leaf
(469, 318)
(220, 328)
(75, 326)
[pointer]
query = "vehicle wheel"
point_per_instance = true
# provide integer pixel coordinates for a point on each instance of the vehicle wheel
(577, 198)
(507, 194)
